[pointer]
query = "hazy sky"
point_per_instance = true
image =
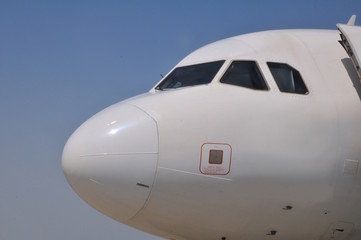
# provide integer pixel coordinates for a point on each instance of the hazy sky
(63, 61)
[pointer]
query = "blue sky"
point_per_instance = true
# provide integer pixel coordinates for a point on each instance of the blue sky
(63, 61)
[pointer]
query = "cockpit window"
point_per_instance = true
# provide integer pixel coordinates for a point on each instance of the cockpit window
(244, 74)
(287, 78)
(191, 75)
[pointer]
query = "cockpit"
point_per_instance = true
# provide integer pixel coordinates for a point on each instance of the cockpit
(241, 73)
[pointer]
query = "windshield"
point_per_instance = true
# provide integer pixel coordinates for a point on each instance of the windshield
(190, 75)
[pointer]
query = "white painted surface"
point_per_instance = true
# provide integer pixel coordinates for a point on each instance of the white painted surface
(110, 157)
(287, 149)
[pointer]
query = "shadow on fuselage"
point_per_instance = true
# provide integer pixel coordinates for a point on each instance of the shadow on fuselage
(347, 62)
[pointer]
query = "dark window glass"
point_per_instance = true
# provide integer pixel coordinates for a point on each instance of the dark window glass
(191, 75)
(244, 74)
(287, 78)
(215, 156)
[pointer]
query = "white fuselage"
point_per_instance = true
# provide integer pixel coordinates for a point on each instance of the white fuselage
(290, 166)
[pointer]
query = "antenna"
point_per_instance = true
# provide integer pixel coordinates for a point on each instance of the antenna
(352, 20)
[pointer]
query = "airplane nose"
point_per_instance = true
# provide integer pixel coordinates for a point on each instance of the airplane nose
(110, 160)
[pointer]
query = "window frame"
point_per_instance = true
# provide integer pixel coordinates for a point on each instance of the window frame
(257, 65)
(294, 69)
(159, 87)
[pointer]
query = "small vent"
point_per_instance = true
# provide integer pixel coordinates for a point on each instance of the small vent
(350, 167)
(272, 233)
(142, 185)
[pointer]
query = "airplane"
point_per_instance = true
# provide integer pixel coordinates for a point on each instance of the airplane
(256, 136)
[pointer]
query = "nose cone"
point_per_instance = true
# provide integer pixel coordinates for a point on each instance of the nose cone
(110, 160)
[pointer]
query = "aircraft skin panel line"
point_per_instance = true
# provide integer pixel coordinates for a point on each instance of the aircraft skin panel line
(254, 137)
